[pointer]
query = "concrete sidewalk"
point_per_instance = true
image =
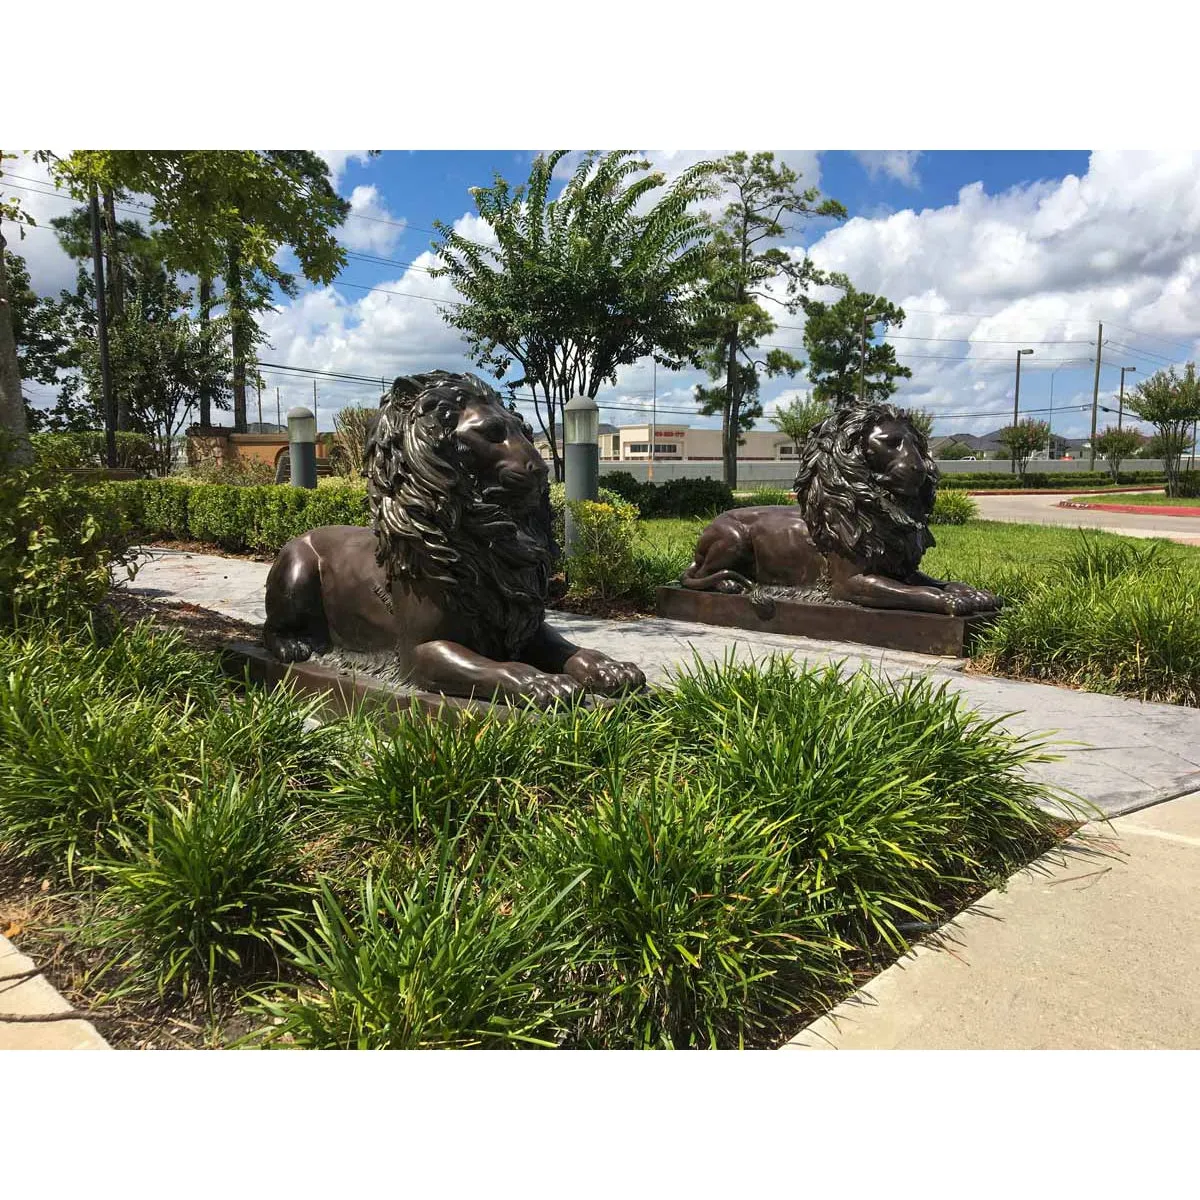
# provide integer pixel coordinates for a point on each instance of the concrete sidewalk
(1092, 949)
(1118, 754)
(26, 994)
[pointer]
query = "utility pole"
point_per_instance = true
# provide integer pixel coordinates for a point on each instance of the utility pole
(653, 420)
(1121, 401)
(278, 410)
(316, 418)
(1095, 395)
(258, 389)
(862, 361)
(110, 412)
(1016, 407)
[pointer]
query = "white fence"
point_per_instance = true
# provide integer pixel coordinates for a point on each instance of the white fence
(752, 474)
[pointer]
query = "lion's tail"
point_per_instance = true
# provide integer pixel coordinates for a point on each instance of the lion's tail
(704, 583)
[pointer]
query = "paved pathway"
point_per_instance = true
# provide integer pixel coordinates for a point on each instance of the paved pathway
(1044, 510)
(24, 993)
(1118, 754)
(1094, 949)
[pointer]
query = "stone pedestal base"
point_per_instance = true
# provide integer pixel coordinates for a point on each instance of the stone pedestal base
(894, 629)
(340, 692)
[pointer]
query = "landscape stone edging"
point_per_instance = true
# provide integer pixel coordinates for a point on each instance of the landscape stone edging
(34, 995)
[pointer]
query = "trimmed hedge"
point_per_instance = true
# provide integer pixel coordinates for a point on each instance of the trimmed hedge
(236, 518)
(1189, 484)
(1036, 480)
(675, 498)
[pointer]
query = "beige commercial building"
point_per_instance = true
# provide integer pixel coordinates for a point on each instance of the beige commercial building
(682, 443)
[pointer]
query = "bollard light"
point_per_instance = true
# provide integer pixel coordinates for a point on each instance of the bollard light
(302, 446)
(581, 456)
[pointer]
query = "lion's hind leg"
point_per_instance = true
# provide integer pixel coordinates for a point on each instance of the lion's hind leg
(723, 547)
(296, 627)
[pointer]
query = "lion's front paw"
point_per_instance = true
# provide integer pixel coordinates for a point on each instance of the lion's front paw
(538, 687)
(978, 600)
(606, 676)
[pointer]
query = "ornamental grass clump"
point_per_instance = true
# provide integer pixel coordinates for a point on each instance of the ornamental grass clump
(691, 925)
(454, 955)
(200, 896)
(896, 796)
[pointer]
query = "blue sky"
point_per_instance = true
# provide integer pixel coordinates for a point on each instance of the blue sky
(987, 251)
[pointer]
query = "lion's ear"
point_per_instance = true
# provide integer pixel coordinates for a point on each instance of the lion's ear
(405, 387)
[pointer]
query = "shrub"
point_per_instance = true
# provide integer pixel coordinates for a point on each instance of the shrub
(234, 472)
(202, 898)
(73, 451)
(1189, 484)
(675, 498)
(58, 541)
(690, 921)
(223, 513)
(602, 563)
(953, 508)
(162, 506)
(450, 958)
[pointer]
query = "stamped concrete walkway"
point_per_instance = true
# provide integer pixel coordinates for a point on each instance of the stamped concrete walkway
(1119, 755)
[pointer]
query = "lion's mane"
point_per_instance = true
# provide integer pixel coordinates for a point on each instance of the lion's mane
(439, 531)
(849, 509)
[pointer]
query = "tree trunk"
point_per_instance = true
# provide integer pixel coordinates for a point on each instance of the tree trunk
(116, 294)
(205, 311)
(237, 314)
(15, 448)
(732, 405)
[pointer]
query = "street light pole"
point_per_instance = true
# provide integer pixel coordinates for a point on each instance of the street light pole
(1016, 407)
(1096, 394)
(1121, 401)
(581, 457)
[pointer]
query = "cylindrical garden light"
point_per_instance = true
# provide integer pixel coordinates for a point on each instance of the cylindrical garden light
(581, 456)
(302, 446)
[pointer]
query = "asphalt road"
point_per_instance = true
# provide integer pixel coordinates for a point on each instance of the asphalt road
(1044, 510)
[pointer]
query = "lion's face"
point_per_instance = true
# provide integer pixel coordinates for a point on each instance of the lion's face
(495, 447)
(895, 456)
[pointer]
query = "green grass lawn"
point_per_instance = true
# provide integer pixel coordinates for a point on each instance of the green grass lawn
(1143, 498)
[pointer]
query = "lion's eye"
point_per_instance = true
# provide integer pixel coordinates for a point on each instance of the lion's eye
(494, 431)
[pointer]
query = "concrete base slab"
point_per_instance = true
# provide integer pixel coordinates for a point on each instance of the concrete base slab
(895, 629)
(1091, 949)
(23, 994)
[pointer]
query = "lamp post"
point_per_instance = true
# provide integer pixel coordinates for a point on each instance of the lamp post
(1121, 401)
(862, 356)
(581, 456)
(1050, 422)
(302, 447)
(1016, 407)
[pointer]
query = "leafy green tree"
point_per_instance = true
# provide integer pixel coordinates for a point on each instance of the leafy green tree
(744, 265)
(578, 286)
(834, 340)
(1115, 445)
(798, 417)
(15, 448)
(954, 451)
(38, 335)
(1022, 441)
(922, 419)
(164, 363)
(1171, 403)
(227, 213)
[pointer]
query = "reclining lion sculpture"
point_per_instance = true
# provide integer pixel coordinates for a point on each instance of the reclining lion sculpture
(865, 491)
(451, 582)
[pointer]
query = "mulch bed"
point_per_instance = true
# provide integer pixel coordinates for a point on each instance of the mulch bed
(203, 628)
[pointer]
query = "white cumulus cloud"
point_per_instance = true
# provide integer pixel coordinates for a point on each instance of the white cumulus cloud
(900, 165)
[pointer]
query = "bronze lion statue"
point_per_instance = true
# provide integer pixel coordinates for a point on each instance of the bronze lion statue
(865, 491)
(450, 584)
